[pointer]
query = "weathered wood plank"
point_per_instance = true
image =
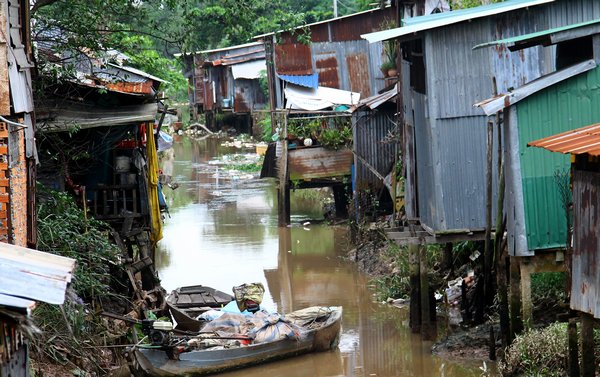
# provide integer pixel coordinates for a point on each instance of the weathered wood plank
(318, 162)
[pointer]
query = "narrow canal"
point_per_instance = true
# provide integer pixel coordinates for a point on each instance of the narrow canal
(222, 231)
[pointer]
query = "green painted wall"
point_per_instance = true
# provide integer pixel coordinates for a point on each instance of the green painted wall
(568, 105)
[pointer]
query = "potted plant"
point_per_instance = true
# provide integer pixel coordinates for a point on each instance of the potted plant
(387, 67)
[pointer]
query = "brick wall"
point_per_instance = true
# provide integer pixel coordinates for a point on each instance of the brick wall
(18, 192)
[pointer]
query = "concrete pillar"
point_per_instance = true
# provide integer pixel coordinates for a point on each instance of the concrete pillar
(527, 306)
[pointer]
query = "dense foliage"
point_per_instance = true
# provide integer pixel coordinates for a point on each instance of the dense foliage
(71, 331)
(64, 230)
(149, 32)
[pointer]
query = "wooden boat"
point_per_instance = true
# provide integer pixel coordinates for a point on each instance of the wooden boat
(321, 334)
(187, 303)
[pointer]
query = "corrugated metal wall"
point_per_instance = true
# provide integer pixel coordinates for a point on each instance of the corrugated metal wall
(370, 129)
(463, 169)
(562, 107)
(586, 248)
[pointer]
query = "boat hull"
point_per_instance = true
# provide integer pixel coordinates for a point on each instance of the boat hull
(155, 362)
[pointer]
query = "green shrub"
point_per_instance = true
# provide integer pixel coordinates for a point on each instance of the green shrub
(64, 230)
(548, 287)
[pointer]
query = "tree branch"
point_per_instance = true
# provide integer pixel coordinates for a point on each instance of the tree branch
(41, 3)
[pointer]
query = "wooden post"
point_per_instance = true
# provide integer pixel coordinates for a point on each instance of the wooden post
(516, 320)
(447, 263)
(415, 285)
(487, 253)
(270, 60)
(573, 348)
(427, 331)
(340, 197)
(588, 364)
(283, 191)
(501, 262)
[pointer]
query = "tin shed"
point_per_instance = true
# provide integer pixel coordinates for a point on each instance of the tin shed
(442, 77)
(554, 103)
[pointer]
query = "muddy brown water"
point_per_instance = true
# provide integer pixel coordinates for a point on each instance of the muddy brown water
(222, 231)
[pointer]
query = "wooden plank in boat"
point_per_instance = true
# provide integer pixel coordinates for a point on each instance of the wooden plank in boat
(193, 289)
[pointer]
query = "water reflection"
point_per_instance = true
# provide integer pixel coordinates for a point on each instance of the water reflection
(233, 238)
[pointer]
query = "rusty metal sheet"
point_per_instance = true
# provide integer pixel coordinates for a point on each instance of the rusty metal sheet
(243, 101)
(131, 87)
(358, 70)
(586, 248)
(209, 103)
(581, 140)
(327, 67)
(293, 59)
(199, 82)
(318, 162)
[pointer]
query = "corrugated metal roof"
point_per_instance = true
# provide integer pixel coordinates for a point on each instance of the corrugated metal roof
(221, 49)
(59, 116)
(493, 105)
(325, 21)
(579, 141)
(374, 102)
(308, 81)
(546, 37)
(136, 71)
(32, 274)
(417, 24)
(15, 302)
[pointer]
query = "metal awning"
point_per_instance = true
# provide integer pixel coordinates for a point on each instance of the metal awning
(307, 81)
(547, 37)
(249, 70)
(493, 105)
(579, 141)
(375, 101)
(27, 274)
(64, 116)
(414, 25)
(299, 98)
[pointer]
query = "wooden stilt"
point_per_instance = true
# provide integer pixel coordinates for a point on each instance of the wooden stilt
(427, 330)
(415, 284)
(573, 349)
(341, 200)
(588, 364)
(283, 197)
(516, 320)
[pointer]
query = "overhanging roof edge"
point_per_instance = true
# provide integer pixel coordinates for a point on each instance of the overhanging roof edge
(445, 19)
(495, 104)
(540, 35)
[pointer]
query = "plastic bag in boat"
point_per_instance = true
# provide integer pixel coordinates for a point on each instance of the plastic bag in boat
(272, 327)
(308, 315)
(210, 315)
(252, 292)
(228, 322)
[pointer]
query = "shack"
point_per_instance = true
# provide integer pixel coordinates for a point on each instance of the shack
(537, 182)
(582, 144)
(226, 82)
(26, 276)
(97, 132)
